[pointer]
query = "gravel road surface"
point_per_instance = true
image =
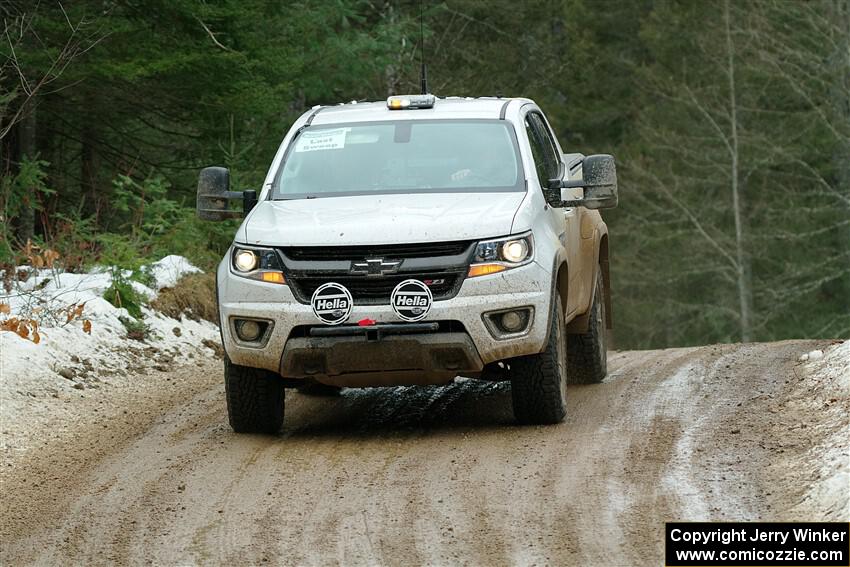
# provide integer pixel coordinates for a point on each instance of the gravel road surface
(153, 474)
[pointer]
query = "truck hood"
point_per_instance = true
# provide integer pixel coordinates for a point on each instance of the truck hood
(380, 219)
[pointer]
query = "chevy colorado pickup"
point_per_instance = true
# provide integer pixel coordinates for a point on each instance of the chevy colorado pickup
(411, 241)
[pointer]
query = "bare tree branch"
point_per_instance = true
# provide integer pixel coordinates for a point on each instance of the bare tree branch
(212, 35)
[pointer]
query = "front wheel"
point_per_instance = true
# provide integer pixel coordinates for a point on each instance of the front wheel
(254, 399)
(587, 352)
(539, 381)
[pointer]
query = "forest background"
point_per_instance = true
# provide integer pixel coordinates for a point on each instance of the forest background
(730, 121)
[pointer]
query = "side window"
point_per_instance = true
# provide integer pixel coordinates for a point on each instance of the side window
(552, 156)
(546, 161)
(538, 151)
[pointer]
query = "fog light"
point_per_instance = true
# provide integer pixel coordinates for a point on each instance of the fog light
(509, 323)
(512, 321)
(248, 330)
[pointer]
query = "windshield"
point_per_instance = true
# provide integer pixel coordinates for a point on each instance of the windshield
(413, 156)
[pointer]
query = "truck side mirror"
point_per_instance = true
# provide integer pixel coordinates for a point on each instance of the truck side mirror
(214, 194)
(599, 180)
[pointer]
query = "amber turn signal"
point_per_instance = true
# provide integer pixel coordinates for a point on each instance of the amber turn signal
(273, 277)
(484, 269)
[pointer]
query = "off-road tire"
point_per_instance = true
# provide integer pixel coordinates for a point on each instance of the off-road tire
(587, 353)
(254, 399)
(539, 381)
(313, 388)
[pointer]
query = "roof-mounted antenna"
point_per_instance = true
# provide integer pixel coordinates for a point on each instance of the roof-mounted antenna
(423, 73)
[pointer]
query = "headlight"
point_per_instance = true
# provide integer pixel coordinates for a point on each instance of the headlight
(245, 260)
(257, 263)
(493, 256)
(515, 251)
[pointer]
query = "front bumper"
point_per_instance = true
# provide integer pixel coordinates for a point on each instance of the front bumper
(529, 285)
(432, 358)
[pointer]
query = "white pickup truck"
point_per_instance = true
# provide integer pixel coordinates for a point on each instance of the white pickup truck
(411, 241)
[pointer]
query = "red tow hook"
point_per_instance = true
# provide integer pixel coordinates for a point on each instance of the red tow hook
(366, 322)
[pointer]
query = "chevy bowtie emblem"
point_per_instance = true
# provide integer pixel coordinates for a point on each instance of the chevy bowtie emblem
(375, 267)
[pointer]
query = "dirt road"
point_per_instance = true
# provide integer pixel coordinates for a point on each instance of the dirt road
(423, 476)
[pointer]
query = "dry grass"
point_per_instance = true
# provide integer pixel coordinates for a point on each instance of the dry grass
(193, 297)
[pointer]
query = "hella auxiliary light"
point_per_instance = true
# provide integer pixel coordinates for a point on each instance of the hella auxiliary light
(409, 102)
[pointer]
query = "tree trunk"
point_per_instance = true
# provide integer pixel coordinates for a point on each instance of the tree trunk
(744, 277)
(391, 70)
(27, 150)
(88, 166)
(841, 104)
(841, 91)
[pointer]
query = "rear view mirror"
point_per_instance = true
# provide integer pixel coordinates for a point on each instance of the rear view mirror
(214, 194)
(599, 180)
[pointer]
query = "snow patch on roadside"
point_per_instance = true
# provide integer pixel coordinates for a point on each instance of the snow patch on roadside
(170, 269)
(68, 362)
(828, 394)
(813, 355)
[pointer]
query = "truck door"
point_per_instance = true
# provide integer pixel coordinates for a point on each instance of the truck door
(547, 160)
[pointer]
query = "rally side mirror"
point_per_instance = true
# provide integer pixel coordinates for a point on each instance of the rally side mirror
(214, 194)
(599, 181)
